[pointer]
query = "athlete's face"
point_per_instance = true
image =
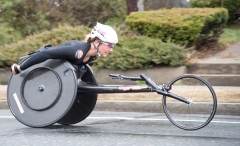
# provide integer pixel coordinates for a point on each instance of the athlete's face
(105, 48)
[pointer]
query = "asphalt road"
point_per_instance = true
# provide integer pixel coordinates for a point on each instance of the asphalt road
(120, 129)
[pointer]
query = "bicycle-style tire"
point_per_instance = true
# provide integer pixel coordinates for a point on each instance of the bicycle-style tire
(199, 112)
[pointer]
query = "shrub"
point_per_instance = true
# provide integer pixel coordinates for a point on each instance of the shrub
(8, 34)
(141, 52)
(130, 52)
(29, 16)
(25, 16)
(10, 53)
(180, 25)
(233, 6)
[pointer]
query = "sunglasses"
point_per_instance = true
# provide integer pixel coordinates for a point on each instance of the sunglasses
(108, 44)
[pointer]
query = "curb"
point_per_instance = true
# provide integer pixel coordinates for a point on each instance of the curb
(102, 75)
(156, 107)
(147, 106)
(3, 104)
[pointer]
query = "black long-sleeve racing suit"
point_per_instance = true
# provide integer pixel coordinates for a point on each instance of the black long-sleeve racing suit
(74, 51)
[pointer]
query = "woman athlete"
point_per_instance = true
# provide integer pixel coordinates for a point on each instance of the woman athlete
(99, 43)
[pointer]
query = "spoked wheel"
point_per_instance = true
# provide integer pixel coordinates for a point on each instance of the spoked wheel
(202, 107)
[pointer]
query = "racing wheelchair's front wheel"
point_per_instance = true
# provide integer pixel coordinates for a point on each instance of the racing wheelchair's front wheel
(202, 107)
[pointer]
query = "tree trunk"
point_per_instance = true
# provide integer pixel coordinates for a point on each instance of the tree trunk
(131, 6)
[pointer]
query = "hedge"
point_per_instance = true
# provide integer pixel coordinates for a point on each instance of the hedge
(130, 52)
(25, 17)
(231, 5)
(10, 53)
(179, 25)
(142, 52)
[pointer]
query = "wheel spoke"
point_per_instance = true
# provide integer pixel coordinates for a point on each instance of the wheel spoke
(201, 109)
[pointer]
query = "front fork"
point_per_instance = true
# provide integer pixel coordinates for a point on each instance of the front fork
(163, 89)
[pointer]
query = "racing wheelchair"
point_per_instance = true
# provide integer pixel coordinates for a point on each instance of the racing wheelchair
(56, 91)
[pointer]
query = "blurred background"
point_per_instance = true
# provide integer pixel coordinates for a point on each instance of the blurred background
(169, 31)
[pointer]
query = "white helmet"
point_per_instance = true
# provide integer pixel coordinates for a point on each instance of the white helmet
(105, 33)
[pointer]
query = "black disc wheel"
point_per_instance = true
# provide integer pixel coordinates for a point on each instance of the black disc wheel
(42, 94)
(201, 109)
(82, 107)
(83, 104)
(41, 89)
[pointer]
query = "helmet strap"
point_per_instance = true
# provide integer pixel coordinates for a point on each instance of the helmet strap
(98, 54)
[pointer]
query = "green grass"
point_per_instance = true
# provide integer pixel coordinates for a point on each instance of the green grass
(230, 35)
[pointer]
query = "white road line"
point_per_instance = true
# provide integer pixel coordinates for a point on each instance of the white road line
(228, 122)
(140, 119)
(118, 118)
(150, 119)
(6, 117)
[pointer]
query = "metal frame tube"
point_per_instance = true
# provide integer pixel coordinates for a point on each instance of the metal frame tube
(103, 89)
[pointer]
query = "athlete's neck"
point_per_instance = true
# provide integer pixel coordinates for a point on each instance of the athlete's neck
(92, 51)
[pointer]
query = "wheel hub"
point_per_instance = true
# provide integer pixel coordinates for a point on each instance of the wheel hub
(41, 88)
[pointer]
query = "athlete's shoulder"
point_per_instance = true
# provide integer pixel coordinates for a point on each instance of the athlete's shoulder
(74, 42)
(80, 43)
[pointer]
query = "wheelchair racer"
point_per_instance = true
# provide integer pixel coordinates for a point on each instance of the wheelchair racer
(99, 42)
